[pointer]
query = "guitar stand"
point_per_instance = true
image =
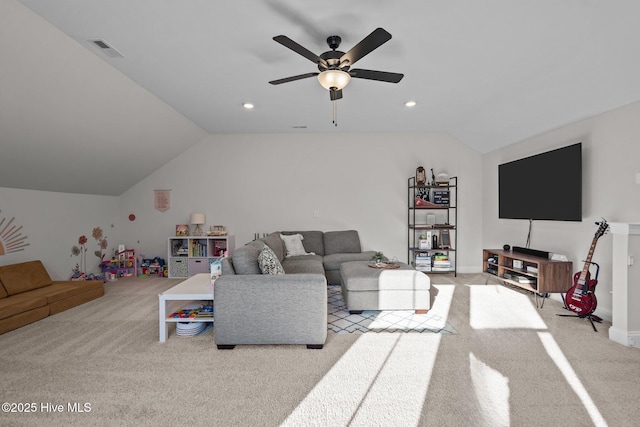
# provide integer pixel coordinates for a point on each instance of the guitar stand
(592, 318)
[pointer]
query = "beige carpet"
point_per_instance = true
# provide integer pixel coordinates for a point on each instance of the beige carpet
(508, 364)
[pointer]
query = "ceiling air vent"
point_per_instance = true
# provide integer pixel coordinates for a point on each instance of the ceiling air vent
(107, 49)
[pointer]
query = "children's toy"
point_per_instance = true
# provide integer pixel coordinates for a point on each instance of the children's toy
(78, 276)
(156, 266)
(124, 264)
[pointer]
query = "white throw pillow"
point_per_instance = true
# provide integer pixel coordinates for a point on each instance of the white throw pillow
(293, 245)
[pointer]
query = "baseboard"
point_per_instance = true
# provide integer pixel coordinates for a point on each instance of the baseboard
(470, 270)
(628, 338)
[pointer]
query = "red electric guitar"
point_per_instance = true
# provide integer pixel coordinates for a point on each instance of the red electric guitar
(581, 298)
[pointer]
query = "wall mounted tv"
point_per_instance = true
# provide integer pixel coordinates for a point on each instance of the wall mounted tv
(547, 186)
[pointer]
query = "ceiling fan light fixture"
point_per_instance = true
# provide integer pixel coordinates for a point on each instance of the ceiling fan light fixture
(337, 79)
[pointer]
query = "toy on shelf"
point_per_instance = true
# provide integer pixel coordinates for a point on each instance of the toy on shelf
(126, 254)
(124, 264)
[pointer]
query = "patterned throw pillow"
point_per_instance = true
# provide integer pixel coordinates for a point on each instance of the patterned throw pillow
(268, 262)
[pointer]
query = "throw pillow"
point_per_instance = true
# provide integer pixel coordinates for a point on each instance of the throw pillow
(268, 262)
(245, 258)
(293, 245)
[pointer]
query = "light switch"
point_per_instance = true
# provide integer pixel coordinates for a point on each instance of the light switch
(637, 177)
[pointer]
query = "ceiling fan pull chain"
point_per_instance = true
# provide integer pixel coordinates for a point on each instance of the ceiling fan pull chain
(335, 113)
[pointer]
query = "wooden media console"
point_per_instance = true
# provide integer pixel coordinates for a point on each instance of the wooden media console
(536, 274)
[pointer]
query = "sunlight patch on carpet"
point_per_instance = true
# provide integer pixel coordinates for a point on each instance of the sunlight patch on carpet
(558, 357)
(498, 307)
(340, 321)
(492, 392)
(381, 380)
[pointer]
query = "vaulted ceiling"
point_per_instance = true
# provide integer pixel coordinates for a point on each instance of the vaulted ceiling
(490, 73)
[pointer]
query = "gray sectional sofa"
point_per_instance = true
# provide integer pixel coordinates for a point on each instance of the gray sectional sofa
(291, 308)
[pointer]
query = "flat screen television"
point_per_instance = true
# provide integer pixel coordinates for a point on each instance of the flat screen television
(547, 186)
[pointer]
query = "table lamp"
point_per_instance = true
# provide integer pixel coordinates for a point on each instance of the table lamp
(197, 219)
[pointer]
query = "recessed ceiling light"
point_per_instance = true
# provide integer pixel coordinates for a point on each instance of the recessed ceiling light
(248, 105)
(410, 104)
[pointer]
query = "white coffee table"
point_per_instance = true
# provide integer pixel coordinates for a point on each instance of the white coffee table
(197, 287)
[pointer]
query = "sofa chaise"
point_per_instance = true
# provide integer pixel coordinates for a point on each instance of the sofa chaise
(27, 294)
(291, 308)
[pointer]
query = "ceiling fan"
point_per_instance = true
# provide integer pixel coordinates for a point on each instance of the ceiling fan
(334, 66)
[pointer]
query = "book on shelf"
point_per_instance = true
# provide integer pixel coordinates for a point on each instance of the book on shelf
(441, 263)
(422, 261)
(205, 311)
(198, 249)
(422, 264)
(182, 252)
(524, 279)
(423, 254)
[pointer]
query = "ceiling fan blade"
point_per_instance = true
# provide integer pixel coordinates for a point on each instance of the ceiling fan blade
(381, 76)
(293, 78)
(297, 48)
(373, 41)
(334, 95)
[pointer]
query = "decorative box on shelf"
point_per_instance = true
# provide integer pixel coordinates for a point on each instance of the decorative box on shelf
(217, 230)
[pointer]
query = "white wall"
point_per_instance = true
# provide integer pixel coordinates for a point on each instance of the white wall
(52, 223)
(262, 183)
(610, 153)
